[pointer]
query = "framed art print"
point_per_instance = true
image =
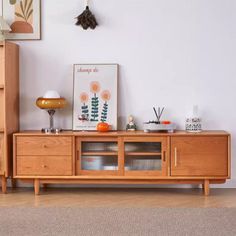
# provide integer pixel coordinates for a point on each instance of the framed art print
(23, 16)
(95, 96)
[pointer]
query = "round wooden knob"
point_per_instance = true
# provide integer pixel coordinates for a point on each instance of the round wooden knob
(44, 166)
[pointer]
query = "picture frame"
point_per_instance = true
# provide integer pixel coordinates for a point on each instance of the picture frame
(94, 96)
(24, 18)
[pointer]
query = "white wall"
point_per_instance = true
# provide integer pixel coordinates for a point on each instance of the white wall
(172, 53)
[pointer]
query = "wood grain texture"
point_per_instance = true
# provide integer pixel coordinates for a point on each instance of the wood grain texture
(2, 63)
(106, 136)
(206, 187)
(118, 177)
(186, 158)
(1, 154)
(11, 87)
(199, 156)
(9, 101)
(44, 165)
(2, 109)
(36, 186)
(78, 156)
(27, 146)
(121, 156)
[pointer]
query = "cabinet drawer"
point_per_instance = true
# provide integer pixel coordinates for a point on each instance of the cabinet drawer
(33, 146)
(44, 165)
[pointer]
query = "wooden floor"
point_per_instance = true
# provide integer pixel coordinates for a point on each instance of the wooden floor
(100, 197)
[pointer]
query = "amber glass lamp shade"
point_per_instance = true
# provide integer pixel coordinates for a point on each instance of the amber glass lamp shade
(50, 102)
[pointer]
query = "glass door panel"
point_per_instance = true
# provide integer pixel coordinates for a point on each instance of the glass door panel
(141, 163)
(143, 147)
(97, 157)
(99, 163)
(99, 147)
(145, 158)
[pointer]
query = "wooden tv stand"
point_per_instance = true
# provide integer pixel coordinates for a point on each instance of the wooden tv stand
(123, 158)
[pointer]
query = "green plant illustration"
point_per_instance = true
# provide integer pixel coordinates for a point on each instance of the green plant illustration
(85, 110)
(94, 88)
(95, 105)
(106, 96)
(104, 112)
(84, 100)
(26, 9)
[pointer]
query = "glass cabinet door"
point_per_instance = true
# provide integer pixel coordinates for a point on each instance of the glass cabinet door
(97, 157)
(145, 156)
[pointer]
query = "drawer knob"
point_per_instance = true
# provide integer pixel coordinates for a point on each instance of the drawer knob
(45, 146)
(44, 166)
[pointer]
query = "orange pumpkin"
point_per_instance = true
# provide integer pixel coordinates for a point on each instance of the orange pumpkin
(103, 127)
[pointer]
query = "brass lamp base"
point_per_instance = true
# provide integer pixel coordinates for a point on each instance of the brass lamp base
(51, 105)
(51, 130)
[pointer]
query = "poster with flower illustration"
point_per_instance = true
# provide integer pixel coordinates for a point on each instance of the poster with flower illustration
(23, 16)
(95, 96)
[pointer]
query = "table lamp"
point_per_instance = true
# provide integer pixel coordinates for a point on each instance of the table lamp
(4, 28)
(50, 102)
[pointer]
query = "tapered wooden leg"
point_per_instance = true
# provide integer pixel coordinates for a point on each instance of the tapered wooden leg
(206, 187)
(36, 186)
(4, 184)
(203, 187)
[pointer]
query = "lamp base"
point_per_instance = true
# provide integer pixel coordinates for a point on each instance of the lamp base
(51, 130)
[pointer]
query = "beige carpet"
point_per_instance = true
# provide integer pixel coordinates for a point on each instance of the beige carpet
(117, 221)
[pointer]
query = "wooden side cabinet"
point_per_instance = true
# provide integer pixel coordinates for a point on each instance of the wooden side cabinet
(123, 158)
(9, 106)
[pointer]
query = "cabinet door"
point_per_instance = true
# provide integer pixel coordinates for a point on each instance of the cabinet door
(145, 156)
(97, 156)
(2, 113)
(199, 156)
(1, 153)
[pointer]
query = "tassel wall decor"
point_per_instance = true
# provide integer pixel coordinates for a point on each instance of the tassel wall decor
(87, 19)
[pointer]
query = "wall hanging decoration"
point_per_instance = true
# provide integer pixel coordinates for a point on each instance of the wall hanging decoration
(24, 17)
(87, 19)
(95, 96)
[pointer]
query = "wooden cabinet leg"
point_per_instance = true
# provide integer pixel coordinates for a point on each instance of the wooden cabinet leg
(206, 187)
(36, 186)
(203, 188)
(13, 183)
(4, 184)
